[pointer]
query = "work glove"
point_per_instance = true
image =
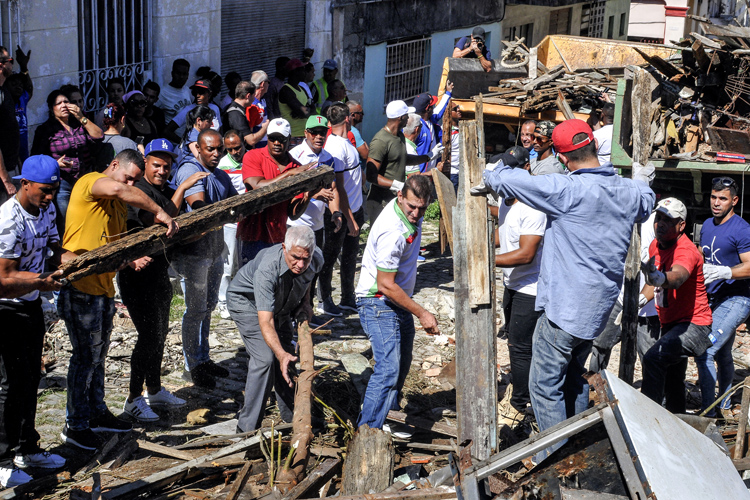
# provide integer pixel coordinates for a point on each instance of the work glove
(396, 187)
(653, 276)
(482, 188)
(642, 301)
(713, 273)
(644, 173)
(437, 150)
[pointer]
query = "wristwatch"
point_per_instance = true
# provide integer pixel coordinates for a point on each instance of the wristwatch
(84, 121)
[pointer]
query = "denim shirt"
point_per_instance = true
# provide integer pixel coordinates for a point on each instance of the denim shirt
(590, 214)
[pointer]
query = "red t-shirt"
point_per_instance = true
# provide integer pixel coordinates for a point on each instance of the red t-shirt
(269, 225)
(689, 303)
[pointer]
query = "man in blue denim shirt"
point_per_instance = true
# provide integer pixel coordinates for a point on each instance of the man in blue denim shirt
(725, 243)
(591, 213)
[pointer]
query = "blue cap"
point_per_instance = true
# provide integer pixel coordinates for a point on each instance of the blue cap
(40, 168)
(160, 146)
(330, 64)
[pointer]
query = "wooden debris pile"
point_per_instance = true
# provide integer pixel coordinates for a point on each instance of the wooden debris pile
(582, 91)
(700, 107)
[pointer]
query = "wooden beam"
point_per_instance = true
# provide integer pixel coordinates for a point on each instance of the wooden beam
(239, 482)
(563, 106)
(739, 448)
(315, 479)
(370, 457)
(422, 423)
(476, 344)
(111, 257)
(510, 114)
(165, 477)
(165, 450)
(446, 195)
(439, 493)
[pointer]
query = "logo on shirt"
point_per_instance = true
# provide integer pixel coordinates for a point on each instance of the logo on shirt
(709, 253)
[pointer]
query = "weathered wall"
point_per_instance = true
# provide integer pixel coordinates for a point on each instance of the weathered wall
(188, 29)
(319, 34)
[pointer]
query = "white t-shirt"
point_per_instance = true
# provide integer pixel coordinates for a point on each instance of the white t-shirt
(604, 137)
(411, 149)
(234, 169)
(172, 100)
(455, 151)
(26, 237)
(392, 246)
(346, 160)
(313, 216)
(515, 221)
(181, 118)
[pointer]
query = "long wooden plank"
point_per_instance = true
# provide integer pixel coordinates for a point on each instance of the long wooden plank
(446, 194)
(322, 473)
(165, 450)
(112, 256)
(439, 493)
(159, 479)
(422, 423)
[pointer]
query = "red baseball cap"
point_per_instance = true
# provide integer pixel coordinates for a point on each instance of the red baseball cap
(201, 84)
(562, 136)
(294, 64)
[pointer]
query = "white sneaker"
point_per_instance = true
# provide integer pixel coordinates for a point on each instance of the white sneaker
(163, 398)
(398, 431)
(224, 312)
(43, 460)
(140, 410)
(13, 476)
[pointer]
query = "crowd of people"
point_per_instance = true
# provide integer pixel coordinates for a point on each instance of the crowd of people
(153, 153)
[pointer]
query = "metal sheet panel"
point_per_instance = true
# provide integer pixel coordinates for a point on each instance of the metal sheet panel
(675, 460)
(254, 34)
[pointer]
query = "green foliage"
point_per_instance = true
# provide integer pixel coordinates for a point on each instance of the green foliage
(433, 211)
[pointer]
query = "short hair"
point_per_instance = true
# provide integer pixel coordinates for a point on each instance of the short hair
(259, 77)
(608, 113)
(69, 89)
(113, 114)
(411, 125)
(719, 186)
(352, 104)
(131, 157)
(300, 236)
(533, 122)
(152, 85)
(420, 185)
(336, 82)
(209, 131)
(52, 97)
(583, 153)
(244, 89)
(232, 133)
(337, 113)
(280, 65)
(180, 62)
(200, 111)
(114, 80)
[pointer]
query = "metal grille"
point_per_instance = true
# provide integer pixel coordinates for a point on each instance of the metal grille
(10, 19)
(407, 69)
(592, 19)
(114, 40)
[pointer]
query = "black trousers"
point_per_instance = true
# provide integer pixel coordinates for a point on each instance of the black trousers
(147, 298)
(348, 247)
(521, 320)
(20, 372)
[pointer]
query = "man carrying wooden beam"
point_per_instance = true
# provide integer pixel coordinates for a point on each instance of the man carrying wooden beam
(96, 215)
(591, 211)
(386, 284)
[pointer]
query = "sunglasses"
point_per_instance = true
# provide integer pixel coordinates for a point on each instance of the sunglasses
(455, 108)
(724, 181)
(319, 132)
(280, 139)
(8, 60)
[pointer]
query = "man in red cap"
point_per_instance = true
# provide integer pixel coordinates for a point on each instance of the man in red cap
(590, 200)
(202, 93)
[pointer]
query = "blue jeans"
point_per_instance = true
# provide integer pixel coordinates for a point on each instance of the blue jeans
(556, 384)
(391, 333)
(62, 198)
(728, 314)
(88, 319)
(202, 277)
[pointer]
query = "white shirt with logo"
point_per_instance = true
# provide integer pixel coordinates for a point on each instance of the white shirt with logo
(313, 216)
(172, 100)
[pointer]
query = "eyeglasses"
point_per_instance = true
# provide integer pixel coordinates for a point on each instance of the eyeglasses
(6, 60)
(724, 181)
(278, 139)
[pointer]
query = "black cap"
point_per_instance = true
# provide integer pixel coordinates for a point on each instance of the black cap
(478, 32)
(422, 102)
(513, 157)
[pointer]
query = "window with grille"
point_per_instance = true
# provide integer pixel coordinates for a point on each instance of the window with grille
(559, 22)
(592, 19)
(524, 31)
(407, 68)
(114, 41)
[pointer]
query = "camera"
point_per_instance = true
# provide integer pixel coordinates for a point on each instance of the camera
(480, 44)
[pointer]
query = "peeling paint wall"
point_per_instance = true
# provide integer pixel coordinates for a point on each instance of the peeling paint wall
(319, 34)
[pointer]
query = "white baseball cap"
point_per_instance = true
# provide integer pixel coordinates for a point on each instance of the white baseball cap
(397, 109)
(673, 208)
(279, 126)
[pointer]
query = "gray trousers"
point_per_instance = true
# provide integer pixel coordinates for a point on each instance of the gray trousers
(649, 331)
(263, 371)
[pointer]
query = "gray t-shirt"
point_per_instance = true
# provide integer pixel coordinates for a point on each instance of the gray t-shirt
(271, 286)
(549, 165)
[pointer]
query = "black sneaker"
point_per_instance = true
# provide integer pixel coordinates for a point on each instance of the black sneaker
(85, 439)
(107, 422)
(348, 305)
(215, 370)
(201, 378)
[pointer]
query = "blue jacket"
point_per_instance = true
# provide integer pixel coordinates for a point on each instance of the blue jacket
(590, 214)
(427, 138)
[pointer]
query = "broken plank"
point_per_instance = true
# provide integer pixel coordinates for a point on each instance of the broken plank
(165, 477)
(438, 493)
(98, 457)
(564, 107)
(165, 450)
(239, 481)
(227, 437)
(123, 455)
(541, 80)
(431, 447)
(446, 195)
(314, 480)
(152, 240)
(422, 423)
(665, 67)
(739, 448)
(35, 486)
(370, 458)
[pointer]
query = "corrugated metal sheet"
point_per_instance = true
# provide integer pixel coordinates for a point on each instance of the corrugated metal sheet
(255, 32)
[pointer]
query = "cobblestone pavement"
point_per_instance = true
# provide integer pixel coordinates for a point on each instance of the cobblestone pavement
(423, 394)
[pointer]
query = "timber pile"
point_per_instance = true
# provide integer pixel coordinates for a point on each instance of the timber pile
(582, 91)
(699, 108)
